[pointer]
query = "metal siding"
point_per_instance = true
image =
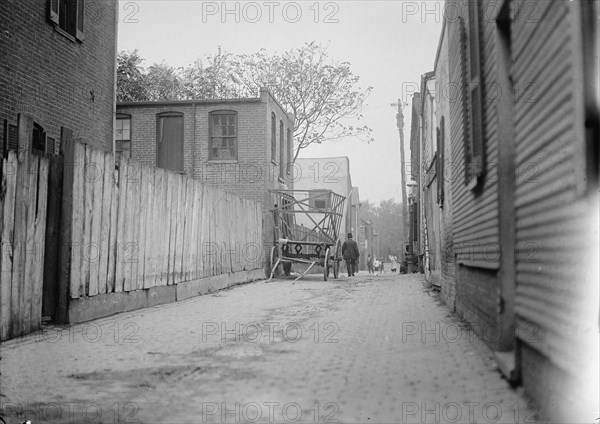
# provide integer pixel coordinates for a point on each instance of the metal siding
(551, 218)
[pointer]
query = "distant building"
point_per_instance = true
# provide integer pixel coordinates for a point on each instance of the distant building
(58, 66)
(330, 174)
(244, 146)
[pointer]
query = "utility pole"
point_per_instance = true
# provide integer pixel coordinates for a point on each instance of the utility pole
(400, 125)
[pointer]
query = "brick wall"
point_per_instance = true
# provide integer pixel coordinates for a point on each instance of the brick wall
(49, 76)
(254, 172)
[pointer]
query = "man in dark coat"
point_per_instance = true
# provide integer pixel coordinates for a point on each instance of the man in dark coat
(350, 254)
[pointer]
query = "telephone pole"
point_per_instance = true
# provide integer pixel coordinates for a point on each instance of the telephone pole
(400, 125)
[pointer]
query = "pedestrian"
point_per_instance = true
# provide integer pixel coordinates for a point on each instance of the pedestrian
(381, 267)
(350, 254)
(394, 260)
(376, 265)
(370, 263)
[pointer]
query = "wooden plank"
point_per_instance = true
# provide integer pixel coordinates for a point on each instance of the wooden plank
(95, 186)
(188, 232)
(121, 230)
(172, 220)
(137, 265)
(20, 239)
(196, 230)
(112, 237)
(180, 228)
(145, 242)
(31, 250)
(161, 224)
(105, 223)
(67, 148)
(51, 256)
(88, 210)
(132, 205)
(77, 278)
(206, 217)
(4, 264)
(40, 244)
(9, 180)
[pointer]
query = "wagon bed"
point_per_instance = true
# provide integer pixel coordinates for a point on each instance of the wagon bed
(307, 224)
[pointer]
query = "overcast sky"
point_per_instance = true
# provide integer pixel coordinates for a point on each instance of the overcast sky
(389, 44)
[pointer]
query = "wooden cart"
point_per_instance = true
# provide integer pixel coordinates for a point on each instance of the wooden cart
(307, 224)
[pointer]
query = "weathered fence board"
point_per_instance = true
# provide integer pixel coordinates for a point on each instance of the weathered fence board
(23, 223)
(141, 227)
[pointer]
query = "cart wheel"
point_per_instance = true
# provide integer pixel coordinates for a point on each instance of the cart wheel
(336, 259)
(326, 265)
(274, 256)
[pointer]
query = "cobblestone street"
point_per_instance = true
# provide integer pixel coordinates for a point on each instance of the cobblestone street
(361, 349)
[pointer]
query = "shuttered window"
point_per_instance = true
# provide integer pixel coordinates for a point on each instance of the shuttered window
(68, 16)
(440, 163)
(169, 140)
(290, 149)
(273, 137)
(223, 135)
(474, 158)
(281, 149)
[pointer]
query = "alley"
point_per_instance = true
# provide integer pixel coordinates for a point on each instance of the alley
(363, 349)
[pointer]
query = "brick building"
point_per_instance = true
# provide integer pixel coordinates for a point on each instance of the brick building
(58, 66)
(242, 145)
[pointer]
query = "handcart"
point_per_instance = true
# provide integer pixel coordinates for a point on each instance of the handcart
(307, 224)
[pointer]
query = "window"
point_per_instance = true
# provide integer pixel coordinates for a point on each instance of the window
(440, 163)
(223, 135)
(273, 137)
(67, 16)
(169, 140)
(281, 150)
(38, 139)
(474, 149)
(123, 137)
(290, 149)
(319, 199)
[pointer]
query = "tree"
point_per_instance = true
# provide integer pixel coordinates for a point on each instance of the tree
(164, 83)
(387, 223)
(131, 80)
(323, 96)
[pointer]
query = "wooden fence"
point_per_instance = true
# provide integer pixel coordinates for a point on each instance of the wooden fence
(23, 201)
(141, 227)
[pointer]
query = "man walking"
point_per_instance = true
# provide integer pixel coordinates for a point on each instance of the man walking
(350, 254)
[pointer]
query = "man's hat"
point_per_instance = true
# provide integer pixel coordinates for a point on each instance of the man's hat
(349, 235)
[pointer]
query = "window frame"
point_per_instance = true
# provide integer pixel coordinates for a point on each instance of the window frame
(290, 158)
(273, 138)
(71, 26)
(123, 117)
(210, 135)
(281, 149)
(313, 199)
(474, 136)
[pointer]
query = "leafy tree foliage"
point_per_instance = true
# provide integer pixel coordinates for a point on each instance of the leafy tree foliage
(322, 95)
(387, 223)
(132, 84)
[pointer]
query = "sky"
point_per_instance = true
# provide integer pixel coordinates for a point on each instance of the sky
(389, 45)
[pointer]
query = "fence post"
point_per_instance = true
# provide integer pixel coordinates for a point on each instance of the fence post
(67, 149)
